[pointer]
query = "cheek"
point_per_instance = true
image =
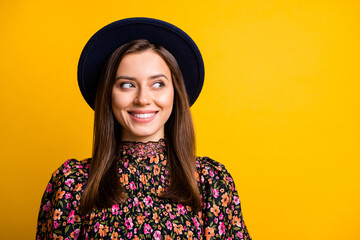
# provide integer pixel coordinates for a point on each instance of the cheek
(118, 102)
(166, 100)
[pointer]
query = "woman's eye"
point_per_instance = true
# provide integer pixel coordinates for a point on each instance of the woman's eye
(126, 85)
(158, 84)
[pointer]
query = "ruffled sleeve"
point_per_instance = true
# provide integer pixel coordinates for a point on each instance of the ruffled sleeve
(59, 216)
(222, 214)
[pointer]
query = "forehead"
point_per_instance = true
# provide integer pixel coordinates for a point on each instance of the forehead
(144, 62)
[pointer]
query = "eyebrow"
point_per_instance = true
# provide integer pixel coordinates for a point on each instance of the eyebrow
(133, 79)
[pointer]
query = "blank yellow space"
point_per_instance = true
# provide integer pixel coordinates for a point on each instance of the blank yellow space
(280, 105)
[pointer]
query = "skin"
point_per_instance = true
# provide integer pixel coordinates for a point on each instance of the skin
(142, 96)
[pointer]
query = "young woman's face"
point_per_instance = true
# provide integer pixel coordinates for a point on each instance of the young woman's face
(142, 96)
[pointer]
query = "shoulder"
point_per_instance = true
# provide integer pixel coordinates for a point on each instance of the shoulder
(71, 172)
(73, 166)
(213, 175)
(209, 168)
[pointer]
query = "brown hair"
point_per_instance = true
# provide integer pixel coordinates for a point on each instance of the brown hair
(103, 187)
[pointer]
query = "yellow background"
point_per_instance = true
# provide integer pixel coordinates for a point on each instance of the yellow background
(280, 105)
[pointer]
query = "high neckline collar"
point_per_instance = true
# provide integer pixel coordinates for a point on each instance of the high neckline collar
(143, 149)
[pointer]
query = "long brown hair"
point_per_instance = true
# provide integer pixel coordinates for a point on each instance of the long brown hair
(103, 187)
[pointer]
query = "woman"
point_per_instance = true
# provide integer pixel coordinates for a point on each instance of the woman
(143, 180)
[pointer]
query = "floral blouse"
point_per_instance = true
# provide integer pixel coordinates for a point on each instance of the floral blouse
(144, 215)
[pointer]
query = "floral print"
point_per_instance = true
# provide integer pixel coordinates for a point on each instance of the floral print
(144, 215)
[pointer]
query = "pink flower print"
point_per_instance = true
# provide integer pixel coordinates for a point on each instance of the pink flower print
(76, 233)
(136, 201)
(67, 195)
(148, 201)
(49, 188)
(115, 209)
(56, 225)
(236, 200)
(169, 225)
(221, 216)
(221, 228)
(66, 169)
(239, 234)
(129, 235)
(129, 223)
(96, 227)
(181, 209)
(211, 173)
(147, 229)
(157, 235)
(196, 223)
(215, 193)
(70, 218)
(172, 216)
(66, 162)
(132, 186)
(46, 207)
(69, 181)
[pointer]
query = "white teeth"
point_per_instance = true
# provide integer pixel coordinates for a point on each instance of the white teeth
(146, 115)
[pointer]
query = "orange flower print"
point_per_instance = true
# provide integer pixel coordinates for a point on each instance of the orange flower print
(215, 210)
(143, 179)
(167, 237)
(160, 190)
(77, 218)
(56, 237)
(168, 207)
(103, 230)
(156, 218)
(236, 221)
(140, 219)
(124, 179)
(114, 236)
(209, 232)
(225, 200)
(59, 194)
(154, 159)
(78, 187)
(156, 170)
(131, 169)
(57, 214)
(197, 176)
(178, 228)
(190, 235)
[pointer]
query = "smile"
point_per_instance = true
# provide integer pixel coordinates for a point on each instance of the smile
(145, 115)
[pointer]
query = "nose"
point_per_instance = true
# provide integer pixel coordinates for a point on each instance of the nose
(143, 97)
